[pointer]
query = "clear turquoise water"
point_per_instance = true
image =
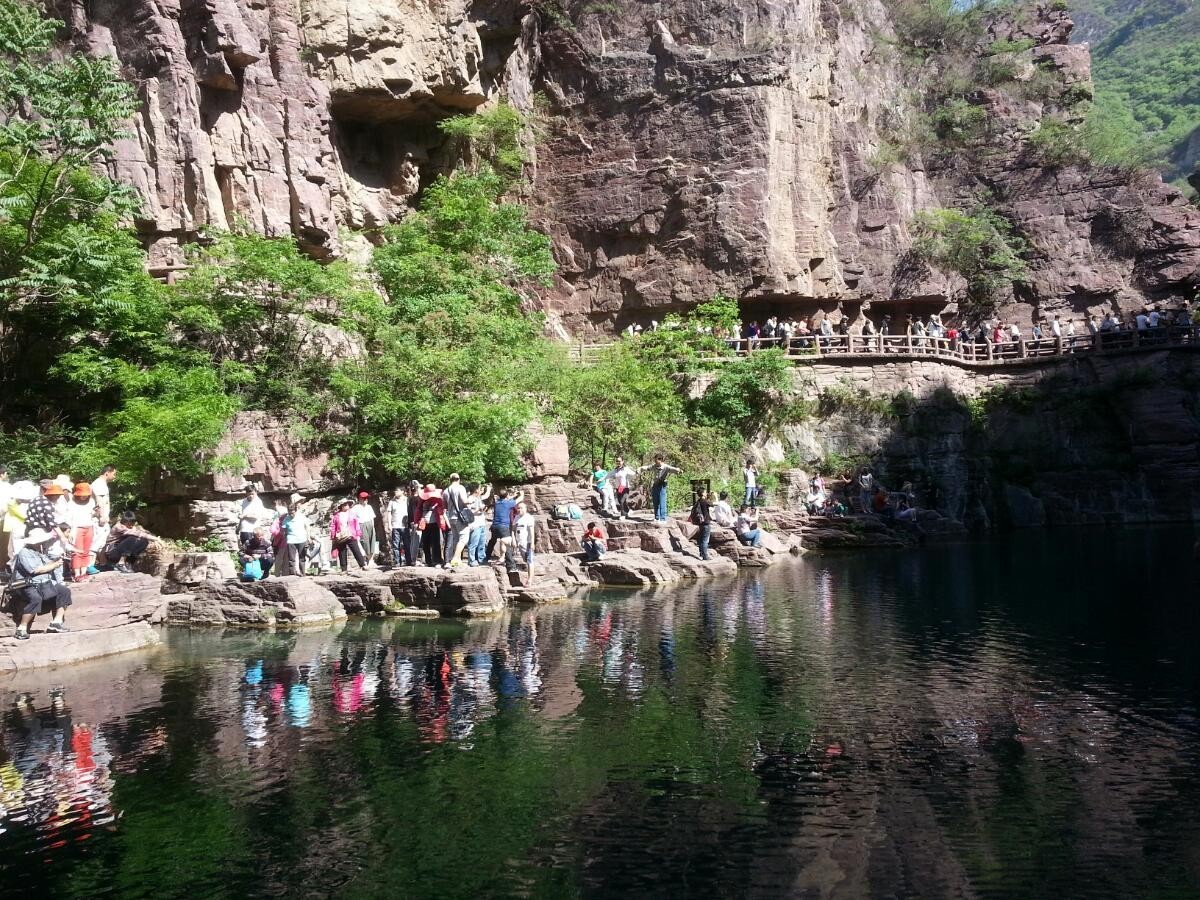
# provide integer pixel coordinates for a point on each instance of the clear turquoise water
(1016, 719)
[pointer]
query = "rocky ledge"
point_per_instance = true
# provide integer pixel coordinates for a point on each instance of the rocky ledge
(109, 614)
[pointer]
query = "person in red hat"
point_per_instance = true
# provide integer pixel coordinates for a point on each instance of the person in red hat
(432, 524)
(81, 520)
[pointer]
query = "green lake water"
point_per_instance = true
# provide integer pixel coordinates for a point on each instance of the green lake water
(1012, 719)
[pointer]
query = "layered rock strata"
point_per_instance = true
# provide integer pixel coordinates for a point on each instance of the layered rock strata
(686, 149)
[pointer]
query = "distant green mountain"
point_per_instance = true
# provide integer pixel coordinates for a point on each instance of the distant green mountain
(1146, 67)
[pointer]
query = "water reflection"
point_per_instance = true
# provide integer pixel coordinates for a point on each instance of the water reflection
(909, 725)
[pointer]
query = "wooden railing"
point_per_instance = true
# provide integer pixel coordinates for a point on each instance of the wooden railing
(878, 347)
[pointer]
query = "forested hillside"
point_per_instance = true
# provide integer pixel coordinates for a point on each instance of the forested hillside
(1146, 66)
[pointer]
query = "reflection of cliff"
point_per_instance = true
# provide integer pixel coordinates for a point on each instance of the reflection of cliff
(920, 723)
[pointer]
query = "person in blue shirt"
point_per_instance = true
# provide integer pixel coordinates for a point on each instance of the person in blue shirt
(502, 518)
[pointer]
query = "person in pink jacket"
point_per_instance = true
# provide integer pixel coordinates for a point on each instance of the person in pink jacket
(346, 534)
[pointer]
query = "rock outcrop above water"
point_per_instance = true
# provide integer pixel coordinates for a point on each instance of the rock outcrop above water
(688, 149)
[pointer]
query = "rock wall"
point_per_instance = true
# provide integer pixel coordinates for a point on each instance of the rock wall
(686, 149)
(1098, 439)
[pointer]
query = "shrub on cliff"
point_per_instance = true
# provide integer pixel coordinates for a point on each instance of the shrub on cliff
(979, 244)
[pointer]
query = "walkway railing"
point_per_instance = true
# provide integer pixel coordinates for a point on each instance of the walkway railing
(876, 347)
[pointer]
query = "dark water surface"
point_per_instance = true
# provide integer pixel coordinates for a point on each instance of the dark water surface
(1016, 719)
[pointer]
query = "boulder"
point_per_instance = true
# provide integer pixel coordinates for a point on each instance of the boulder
(191, 569)
(298, 600)
(537, 594)
(693, 567)
(111, 599)
(45, 650)
(632, 567)
(558, 535)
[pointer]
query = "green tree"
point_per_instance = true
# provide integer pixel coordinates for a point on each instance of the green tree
(979, 244)
(751, 396)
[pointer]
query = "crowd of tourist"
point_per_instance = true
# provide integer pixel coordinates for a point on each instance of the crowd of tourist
(1149, 323)
(58, 531)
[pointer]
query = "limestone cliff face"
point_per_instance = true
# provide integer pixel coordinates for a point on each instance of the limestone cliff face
(687, 148)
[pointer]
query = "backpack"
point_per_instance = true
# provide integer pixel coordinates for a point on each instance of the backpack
(574, 512)
(562, 511)
(695, 516)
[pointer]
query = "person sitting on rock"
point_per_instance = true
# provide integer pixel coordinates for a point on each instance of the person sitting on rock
(879, 503)
(126, 542)
(41, 590)
(593, 543)
(258, 547)
(722, 512)
(746, 527)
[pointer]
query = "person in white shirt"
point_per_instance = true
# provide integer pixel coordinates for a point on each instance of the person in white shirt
(1056, 328)
(364, 513)
(459, 517)
(395, 521)
(524, 530)
(6, 497)
(101, 494)
(750, 474)
(621, 479)
(1014, 332)
(722, 512)
(1154, 318)
(478, 529)
(1143, 322)
(253, 514)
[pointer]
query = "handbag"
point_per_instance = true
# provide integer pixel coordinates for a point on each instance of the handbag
(466, 515)
(252, 570)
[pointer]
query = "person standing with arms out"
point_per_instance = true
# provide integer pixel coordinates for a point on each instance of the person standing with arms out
(750, 474)
(102, 495)
(253, 514)
(702, 519)
(658, 487)
(458, 516)
(364, 512)
(395, 522)
(621, 480)
(602, 485)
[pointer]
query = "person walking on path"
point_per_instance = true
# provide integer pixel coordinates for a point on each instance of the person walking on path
(658, 486)
(702, 519)
(42, 576)
(395, 523)
(750, 474)
(253, 514)
(102, 495)
(364, 512)
(621, 480)
(345, 533)
(458, 516)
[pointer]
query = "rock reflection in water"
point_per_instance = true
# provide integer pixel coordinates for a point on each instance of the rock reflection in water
(909, 725)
